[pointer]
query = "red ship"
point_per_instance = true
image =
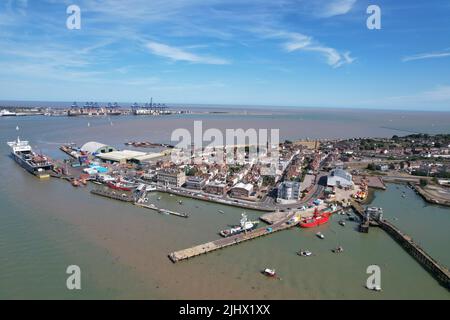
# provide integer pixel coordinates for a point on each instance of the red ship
(316, 220)
(118, 186)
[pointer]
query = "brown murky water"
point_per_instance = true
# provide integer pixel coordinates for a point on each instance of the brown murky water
(122, 250)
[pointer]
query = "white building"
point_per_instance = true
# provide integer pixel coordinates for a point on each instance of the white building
(288, 191)
(340, 178)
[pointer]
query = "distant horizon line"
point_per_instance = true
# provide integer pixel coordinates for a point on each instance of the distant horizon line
(226, 105)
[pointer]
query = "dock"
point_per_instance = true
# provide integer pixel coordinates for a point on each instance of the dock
(121, 196)
(232, 240)
(273, 217)
(212, 198)
(151, 206)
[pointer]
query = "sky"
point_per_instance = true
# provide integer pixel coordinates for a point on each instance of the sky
(298, 53)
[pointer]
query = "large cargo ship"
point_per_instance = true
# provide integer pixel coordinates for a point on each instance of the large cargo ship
(37, 164)
(316, 220)
(244, 226)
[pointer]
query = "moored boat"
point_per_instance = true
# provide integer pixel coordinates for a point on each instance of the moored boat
(317, 219)
(119, 186)
(339, 249)
(269, 272)
(244, 226)
(37, 164)
(304, 253)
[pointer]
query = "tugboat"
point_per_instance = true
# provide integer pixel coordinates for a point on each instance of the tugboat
(36, 164)
(320, 235)
(269, 272)
(316, 220)
(244, 226)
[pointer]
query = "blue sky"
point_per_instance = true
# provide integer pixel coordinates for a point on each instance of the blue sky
(254, 52)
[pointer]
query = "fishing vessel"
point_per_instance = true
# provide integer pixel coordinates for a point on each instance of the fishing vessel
(244, 226)
(316, 220)
(36, 164)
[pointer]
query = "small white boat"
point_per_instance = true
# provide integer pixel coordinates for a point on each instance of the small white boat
(342, 223)
(180, 202)
(269, 272)
(305, 253)
(320, 235)
(159, 198)
(221, 211)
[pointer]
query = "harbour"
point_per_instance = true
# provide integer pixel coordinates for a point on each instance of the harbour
(277, 251)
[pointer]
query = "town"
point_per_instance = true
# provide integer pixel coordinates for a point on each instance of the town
(309, 182)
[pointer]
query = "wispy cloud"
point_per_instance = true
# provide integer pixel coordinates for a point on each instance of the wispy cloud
(178, 54)
(300, 42)
(333, 8)
(431, 55)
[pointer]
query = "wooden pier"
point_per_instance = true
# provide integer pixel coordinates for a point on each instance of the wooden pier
(232, 240)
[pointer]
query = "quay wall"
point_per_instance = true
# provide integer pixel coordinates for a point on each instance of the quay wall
(440, 273)
(428, 198)
(228, 203)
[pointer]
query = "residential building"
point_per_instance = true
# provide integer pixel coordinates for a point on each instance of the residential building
(289, 190)
(216, 188)
(242, 190)
(171, 177)
(195, 182)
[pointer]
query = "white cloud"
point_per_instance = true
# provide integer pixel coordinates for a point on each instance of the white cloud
(432, 55)
(178, 54)
(300, 42)
(336, 7)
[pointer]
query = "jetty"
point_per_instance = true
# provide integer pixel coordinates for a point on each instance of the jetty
(151, 206)
(439, 272)
(121, 196)
(201, 249)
